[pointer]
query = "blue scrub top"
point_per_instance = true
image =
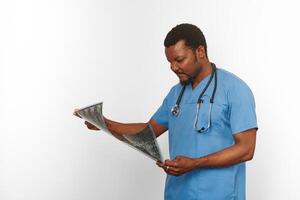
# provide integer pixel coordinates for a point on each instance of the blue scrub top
(233, 111)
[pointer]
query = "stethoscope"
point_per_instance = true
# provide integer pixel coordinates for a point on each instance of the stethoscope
(176, 108)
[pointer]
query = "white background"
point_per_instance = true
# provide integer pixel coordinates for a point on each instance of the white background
(57, 55)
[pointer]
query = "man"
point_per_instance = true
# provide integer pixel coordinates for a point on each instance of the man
(210, 116)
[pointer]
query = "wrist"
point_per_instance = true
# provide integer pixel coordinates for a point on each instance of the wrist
(109, 125)
(199, 162)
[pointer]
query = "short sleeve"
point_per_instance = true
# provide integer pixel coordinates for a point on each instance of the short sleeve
(241, 108)
(161, 116)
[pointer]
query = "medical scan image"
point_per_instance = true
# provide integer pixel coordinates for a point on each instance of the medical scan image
(144, 141)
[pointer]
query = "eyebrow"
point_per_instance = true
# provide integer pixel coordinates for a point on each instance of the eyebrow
(177, 57)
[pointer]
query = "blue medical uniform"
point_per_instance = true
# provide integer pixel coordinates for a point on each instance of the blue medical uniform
(233, 111)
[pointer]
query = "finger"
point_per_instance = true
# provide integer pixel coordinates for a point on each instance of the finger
(160, 164)
(173, 173)
(171, 163)
(87, 123)
(163, 166)
(76, 114)
(173, 169)
(91, 127)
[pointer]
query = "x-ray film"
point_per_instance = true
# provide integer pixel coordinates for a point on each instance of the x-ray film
(143, 141)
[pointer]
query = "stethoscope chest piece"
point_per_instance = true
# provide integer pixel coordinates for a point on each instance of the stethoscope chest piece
(175, 110)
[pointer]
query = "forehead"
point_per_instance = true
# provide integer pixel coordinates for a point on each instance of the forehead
(176, 50)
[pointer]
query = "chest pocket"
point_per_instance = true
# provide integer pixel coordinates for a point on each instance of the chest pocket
(211, 115)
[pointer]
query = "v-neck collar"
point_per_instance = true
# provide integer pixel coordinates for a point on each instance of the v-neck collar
(201, 84)
(192, 95)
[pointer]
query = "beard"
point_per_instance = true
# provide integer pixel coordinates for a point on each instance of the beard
(187, 81)
(191, 77)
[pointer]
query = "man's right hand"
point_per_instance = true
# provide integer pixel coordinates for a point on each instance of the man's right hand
(88, 124)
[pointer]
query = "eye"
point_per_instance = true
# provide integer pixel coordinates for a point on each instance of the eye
(180, 60)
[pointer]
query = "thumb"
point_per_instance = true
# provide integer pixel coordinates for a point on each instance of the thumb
(177, 158)
(76, 114)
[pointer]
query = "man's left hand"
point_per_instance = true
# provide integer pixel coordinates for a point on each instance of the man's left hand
(178, 166)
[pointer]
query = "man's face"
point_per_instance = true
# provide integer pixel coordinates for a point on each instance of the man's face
(183, 61)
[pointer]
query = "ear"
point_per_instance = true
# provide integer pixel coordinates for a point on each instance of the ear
(200, 52)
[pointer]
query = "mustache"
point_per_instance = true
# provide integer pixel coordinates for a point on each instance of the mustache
(180, 73)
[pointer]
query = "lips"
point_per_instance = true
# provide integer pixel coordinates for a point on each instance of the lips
(181, 74)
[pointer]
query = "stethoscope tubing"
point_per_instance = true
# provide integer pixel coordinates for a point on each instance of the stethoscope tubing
(176, 108)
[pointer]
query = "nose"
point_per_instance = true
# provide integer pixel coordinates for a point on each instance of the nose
(174, 67)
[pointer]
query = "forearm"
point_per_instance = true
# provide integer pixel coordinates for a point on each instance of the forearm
(124, 128)
(229, 156)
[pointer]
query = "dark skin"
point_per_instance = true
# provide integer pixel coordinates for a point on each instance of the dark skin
(185, 61)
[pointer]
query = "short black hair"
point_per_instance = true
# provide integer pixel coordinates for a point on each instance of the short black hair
(190, 33)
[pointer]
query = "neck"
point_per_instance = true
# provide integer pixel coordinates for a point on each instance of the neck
(205, 71)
